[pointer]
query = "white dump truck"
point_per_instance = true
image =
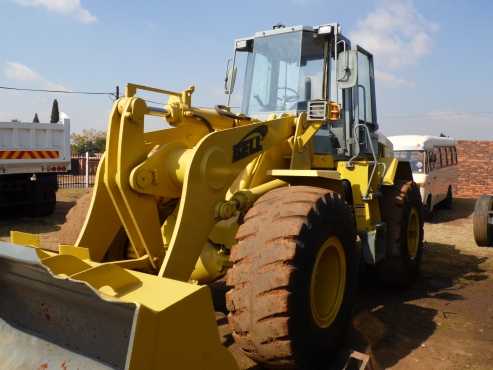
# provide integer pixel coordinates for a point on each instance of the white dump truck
(31, 155)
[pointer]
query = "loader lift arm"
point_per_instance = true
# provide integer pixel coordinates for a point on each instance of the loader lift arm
(201, 170)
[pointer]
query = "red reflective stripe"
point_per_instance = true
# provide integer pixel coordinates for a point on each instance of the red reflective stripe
(29, 154)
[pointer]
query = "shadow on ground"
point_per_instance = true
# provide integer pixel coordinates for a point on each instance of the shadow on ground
(461, 208)
(36, 225)
(392, 324)
(389, 323)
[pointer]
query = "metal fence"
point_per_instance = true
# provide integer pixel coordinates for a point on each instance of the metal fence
(82, 174)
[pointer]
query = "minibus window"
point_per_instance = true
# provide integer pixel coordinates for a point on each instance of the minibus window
(449, 156)
(432, 160)
(445, 156)
(438, 161)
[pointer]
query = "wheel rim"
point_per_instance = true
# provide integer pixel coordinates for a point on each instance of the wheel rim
(413, 233)
(328, 282)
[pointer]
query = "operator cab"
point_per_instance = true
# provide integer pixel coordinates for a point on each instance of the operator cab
(296, 69)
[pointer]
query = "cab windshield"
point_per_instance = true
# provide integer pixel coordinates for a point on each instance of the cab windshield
(283, 73)
(416, 159)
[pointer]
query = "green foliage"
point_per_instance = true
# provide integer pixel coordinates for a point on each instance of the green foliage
(92, 141)
(55, 115)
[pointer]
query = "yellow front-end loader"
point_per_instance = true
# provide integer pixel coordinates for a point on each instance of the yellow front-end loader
(286, 199)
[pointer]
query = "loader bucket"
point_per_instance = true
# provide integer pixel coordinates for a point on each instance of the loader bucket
(58, 311)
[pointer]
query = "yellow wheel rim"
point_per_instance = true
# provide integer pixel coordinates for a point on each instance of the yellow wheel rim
(413, 233)
(328, 282)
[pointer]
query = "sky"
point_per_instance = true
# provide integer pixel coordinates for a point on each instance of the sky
(433, 58)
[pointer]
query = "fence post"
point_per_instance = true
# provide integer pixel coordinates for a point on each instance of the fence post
(87, 171)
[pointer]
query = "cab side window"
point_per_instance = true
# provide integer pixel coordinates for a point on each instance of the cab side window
(365, 87)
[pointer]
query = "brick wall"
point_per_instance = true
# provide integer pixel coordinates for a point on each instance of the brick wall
(475, 168)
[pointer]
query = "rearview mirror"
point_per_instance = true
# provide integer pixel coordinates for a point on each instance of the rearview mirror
(347, 69)
(229, 79)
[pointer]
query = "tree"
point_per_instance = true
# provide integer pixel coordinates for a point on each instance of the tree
(36, 118)
(92, 141)
(55, 114)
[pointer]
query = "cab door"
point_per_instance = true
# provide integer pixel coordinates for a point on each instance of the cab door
(365, 112)
(365, 89)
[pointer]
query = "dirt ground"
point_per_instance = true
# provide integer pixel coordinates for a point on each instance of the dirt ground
(46, 227)
(444, 322)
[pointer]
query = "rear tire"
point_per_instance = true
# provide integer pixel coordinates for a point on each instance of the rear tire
(483, 230)
(294, 277)
(402, 211)
(43, 195)
(44, 203)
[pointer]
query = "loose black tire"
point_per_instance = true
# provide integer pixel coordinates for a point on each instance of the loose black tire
(269, 301)
(483, 230)
(402, 264)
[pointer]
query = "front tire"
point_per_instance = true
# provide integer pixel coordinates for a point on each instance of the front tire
(293, 278)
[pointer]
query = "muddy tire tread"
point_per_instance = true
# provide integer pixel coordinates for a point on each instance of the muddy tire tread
(264, 274)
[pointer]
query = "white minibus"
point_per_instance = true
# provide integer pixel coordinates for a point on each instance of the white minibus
(433, 162)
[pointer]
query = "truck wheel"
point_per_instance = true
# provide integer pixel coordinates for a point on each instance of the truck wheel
(402, 211)
(47, 204)
(483, 230)
(294, 277)
(43, 195)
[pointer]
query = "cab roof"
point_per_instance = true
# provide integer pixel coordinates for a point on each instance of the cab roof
(279, 29)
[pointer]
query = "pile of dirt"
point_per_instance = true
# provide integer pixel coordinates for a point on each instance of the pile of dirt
(75, 219)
